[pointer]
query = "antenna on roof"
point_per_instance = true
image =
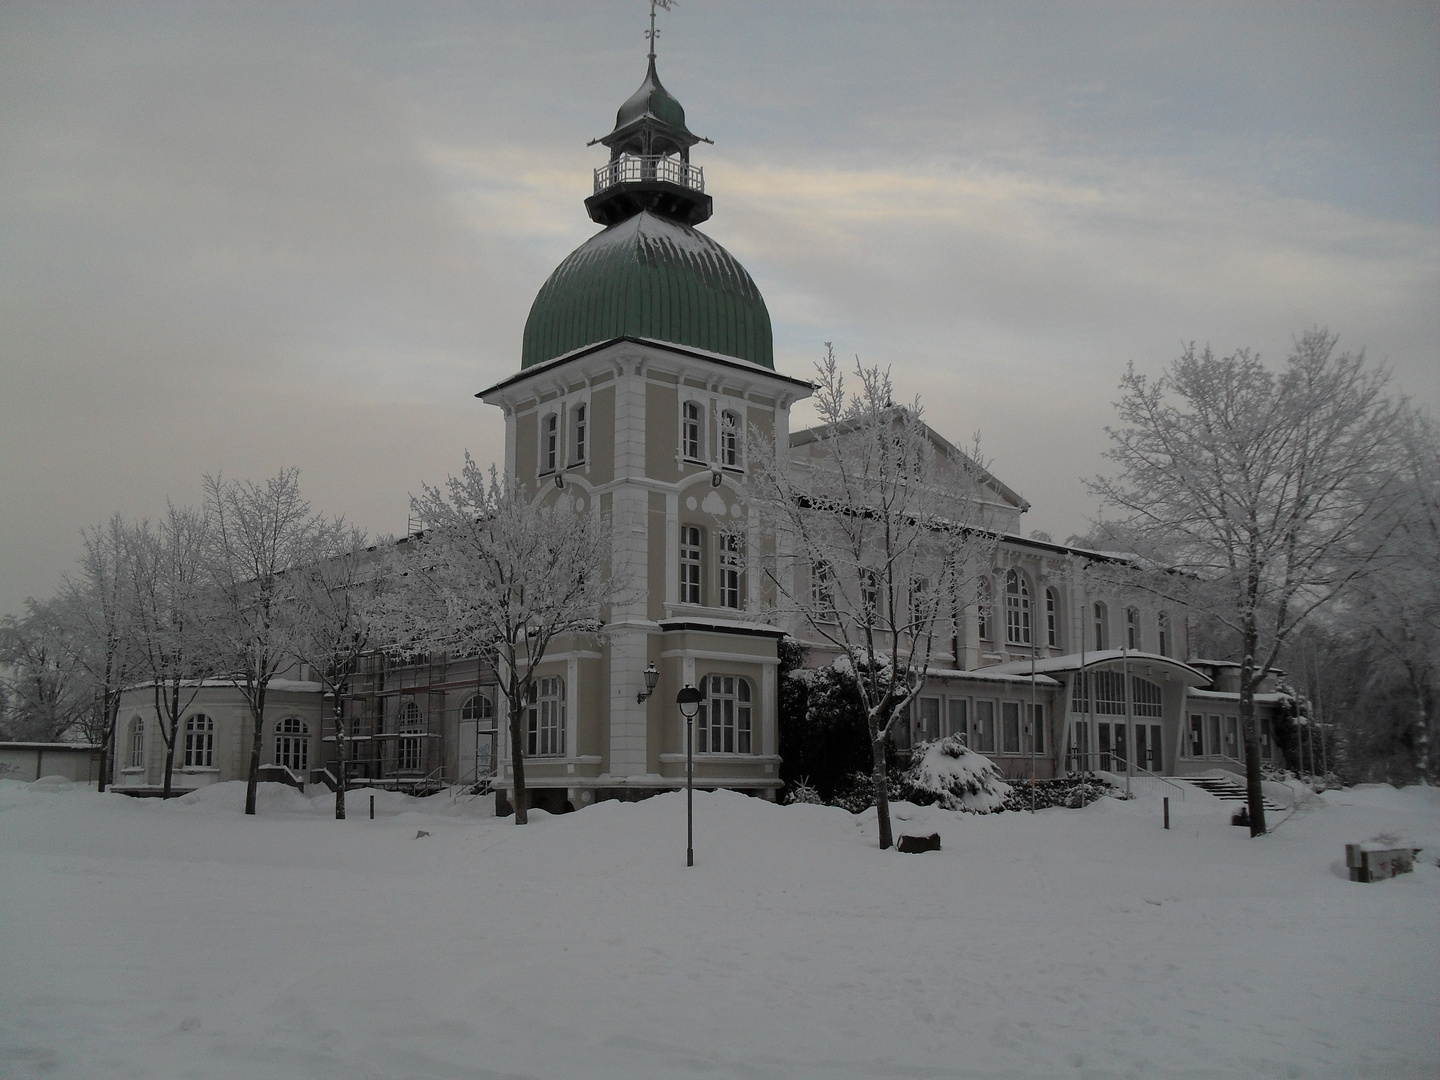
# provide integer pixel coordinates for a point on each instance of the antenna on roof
(652, 33)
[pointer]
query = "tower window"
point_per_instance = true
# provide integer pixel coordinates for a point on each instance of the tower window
(690, 441)
(1132, 628)
(1052, 619)
(577, 434)
(1102, 638)
(730, 440)
(729, 570)
(550, 454)
(137, 743)
(1163, 627)
(691, 561)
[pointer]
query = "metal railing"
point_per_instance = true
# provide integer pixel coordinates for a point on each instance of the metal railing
(634, 170)
(1112, 761)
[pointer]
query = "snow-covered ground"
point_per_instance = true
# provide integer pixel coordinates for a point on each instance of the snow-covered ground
(182, 939)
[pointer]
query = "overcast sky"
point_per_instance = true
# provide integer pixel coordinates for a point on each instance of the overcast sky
(242, 236)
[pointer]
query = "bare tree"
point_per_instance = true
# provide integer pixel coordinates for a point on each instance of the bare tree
(95, 605)
(339, 606)
(879, 541)
(47, 688)
(168, 605)
(1257, 491)
(499, 574)
(260, 533)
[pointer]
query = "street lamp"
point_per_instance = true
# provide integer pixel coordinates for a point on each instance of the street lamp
(652, 676)
(689, 701)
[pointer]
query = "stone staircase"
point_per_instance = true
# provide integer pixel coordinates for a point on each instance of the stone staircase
(1229, 790)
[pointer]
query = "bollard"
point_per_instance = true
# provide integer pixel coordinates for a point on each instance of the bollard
(1167, 811)
(372, 807)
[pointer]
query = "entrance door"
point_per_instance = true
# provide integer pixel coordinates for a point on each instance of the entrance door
(1104, 747)
(1122, 751)
(1080, 746)
(1157, 757)
(477, 752)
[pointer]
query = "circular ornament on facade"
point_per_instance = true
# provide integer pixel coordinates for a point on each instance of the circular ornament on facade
(691, 503)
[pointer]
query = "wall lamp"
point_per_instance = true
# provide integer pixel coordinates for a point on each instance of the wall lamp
(652, 677)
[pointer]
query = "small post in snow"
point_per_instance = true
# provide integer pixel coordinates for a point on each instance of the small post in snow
(1167, 811)
(372, 807)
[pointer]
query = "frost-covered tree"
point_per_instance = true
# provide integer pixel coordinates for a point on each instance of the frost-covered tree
(260, 534)
(879, 540)
(47, 689)
(500, 574)
(169, 602)
(1257, 491)
(94, 603)
(340, 610)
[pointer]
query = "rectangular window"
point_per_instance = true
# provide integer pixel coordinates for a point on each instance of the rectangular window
(822, 590)
(1132, 628)
(1197, 735)
(546, 727)
(1212, 737)
(730, 440)
(1035, 728)
(919, 604)
(729, 570)
(551, 456)
(1232, 737)
(959, 719)
(1052, 620)
(578, 433)
(691, 564)
(1163, 631)
(690, 431)
(870, 594)
(1010, 727)
(1080, 746)
(984, 727)
(928, 719)
(1104, 745)
(1101, 637)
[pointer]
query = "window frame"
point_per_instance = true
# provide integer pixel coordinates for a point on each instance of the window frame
(958, 708)
(735, 726)
(985, 606)
(729, 570)
(1019, 629)
(292, 743)
(1010, 725)
(732, 441)
(199, 742)
(550, 449)
(137, 743)
(1052, 618)
(545, 718)
(982, 724)
(1133, 637)
(692, 431)
(579, 432)
(691, 571)
(924, 704)
(1162, 630)
(1101, 625)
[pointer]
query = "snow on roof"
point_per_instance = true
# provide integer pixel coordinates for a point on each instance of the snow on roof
(1072, 662)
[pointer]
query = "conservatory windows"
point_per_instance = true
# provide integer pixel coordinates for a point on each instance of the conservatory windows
(1132, 628)
(1232, 737)
(927, 719)
(1197, 735)
(729, 570)
(730, 439)
(691, 440)
(137, 743)
(199, 742)
(292, 744)
(1010, 727)
(1052, 619)
(691, 564)
(1102, 639)
(1017, 609)
(723, 724)
(1035, 729)
(959, 719)
(545, 735)
(983, 730)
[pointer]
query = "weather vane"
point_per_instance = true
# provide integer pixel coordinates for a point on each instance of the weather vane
(652, 32)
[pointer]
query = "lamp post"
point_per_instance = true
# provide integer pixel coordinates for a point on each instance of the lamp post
(689, 700)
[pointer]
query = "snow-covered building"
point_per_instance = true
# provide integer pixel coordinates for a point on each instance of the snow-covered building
(647, 358)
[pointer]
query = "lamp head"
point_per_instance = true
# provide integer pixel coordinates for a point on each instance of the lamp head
(689, 700)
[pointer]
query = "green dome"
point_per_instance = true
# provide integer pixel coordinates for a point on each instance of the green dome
(649, 277)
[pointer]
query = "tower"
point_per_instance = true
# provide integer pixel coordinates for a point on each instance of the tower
(647, 364)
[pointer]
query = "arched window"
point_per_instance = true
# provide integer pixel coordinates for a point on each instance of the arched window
(691, 442)
(199, 742)
(1132, 628)
(137, 743)
(409, 721)
(545, 735)
(292, 744)
(1102, 618)
(723, 724)
(691, 564)
(1017, 609)
(729, 570)
(985, 602)
(1052, 619)
(550, 445)
(479, 709)
(1162, 624)
(730, 440)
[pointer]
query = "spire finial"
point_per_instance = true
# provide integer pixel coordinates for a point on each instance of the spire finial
(652, 33)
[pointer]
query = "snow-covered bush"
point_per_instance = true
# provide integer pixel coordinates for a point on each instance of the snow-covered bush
(949, 773)
(857, 793)
(803, 792)
(1073, 792)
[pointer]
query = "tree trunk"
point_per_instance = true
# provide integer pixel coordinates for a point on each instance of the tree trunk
(882, 794)
(518, 797)
(342, 756)
(257, 714)
(169, 756)
(1255, 790)
(112, 714)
